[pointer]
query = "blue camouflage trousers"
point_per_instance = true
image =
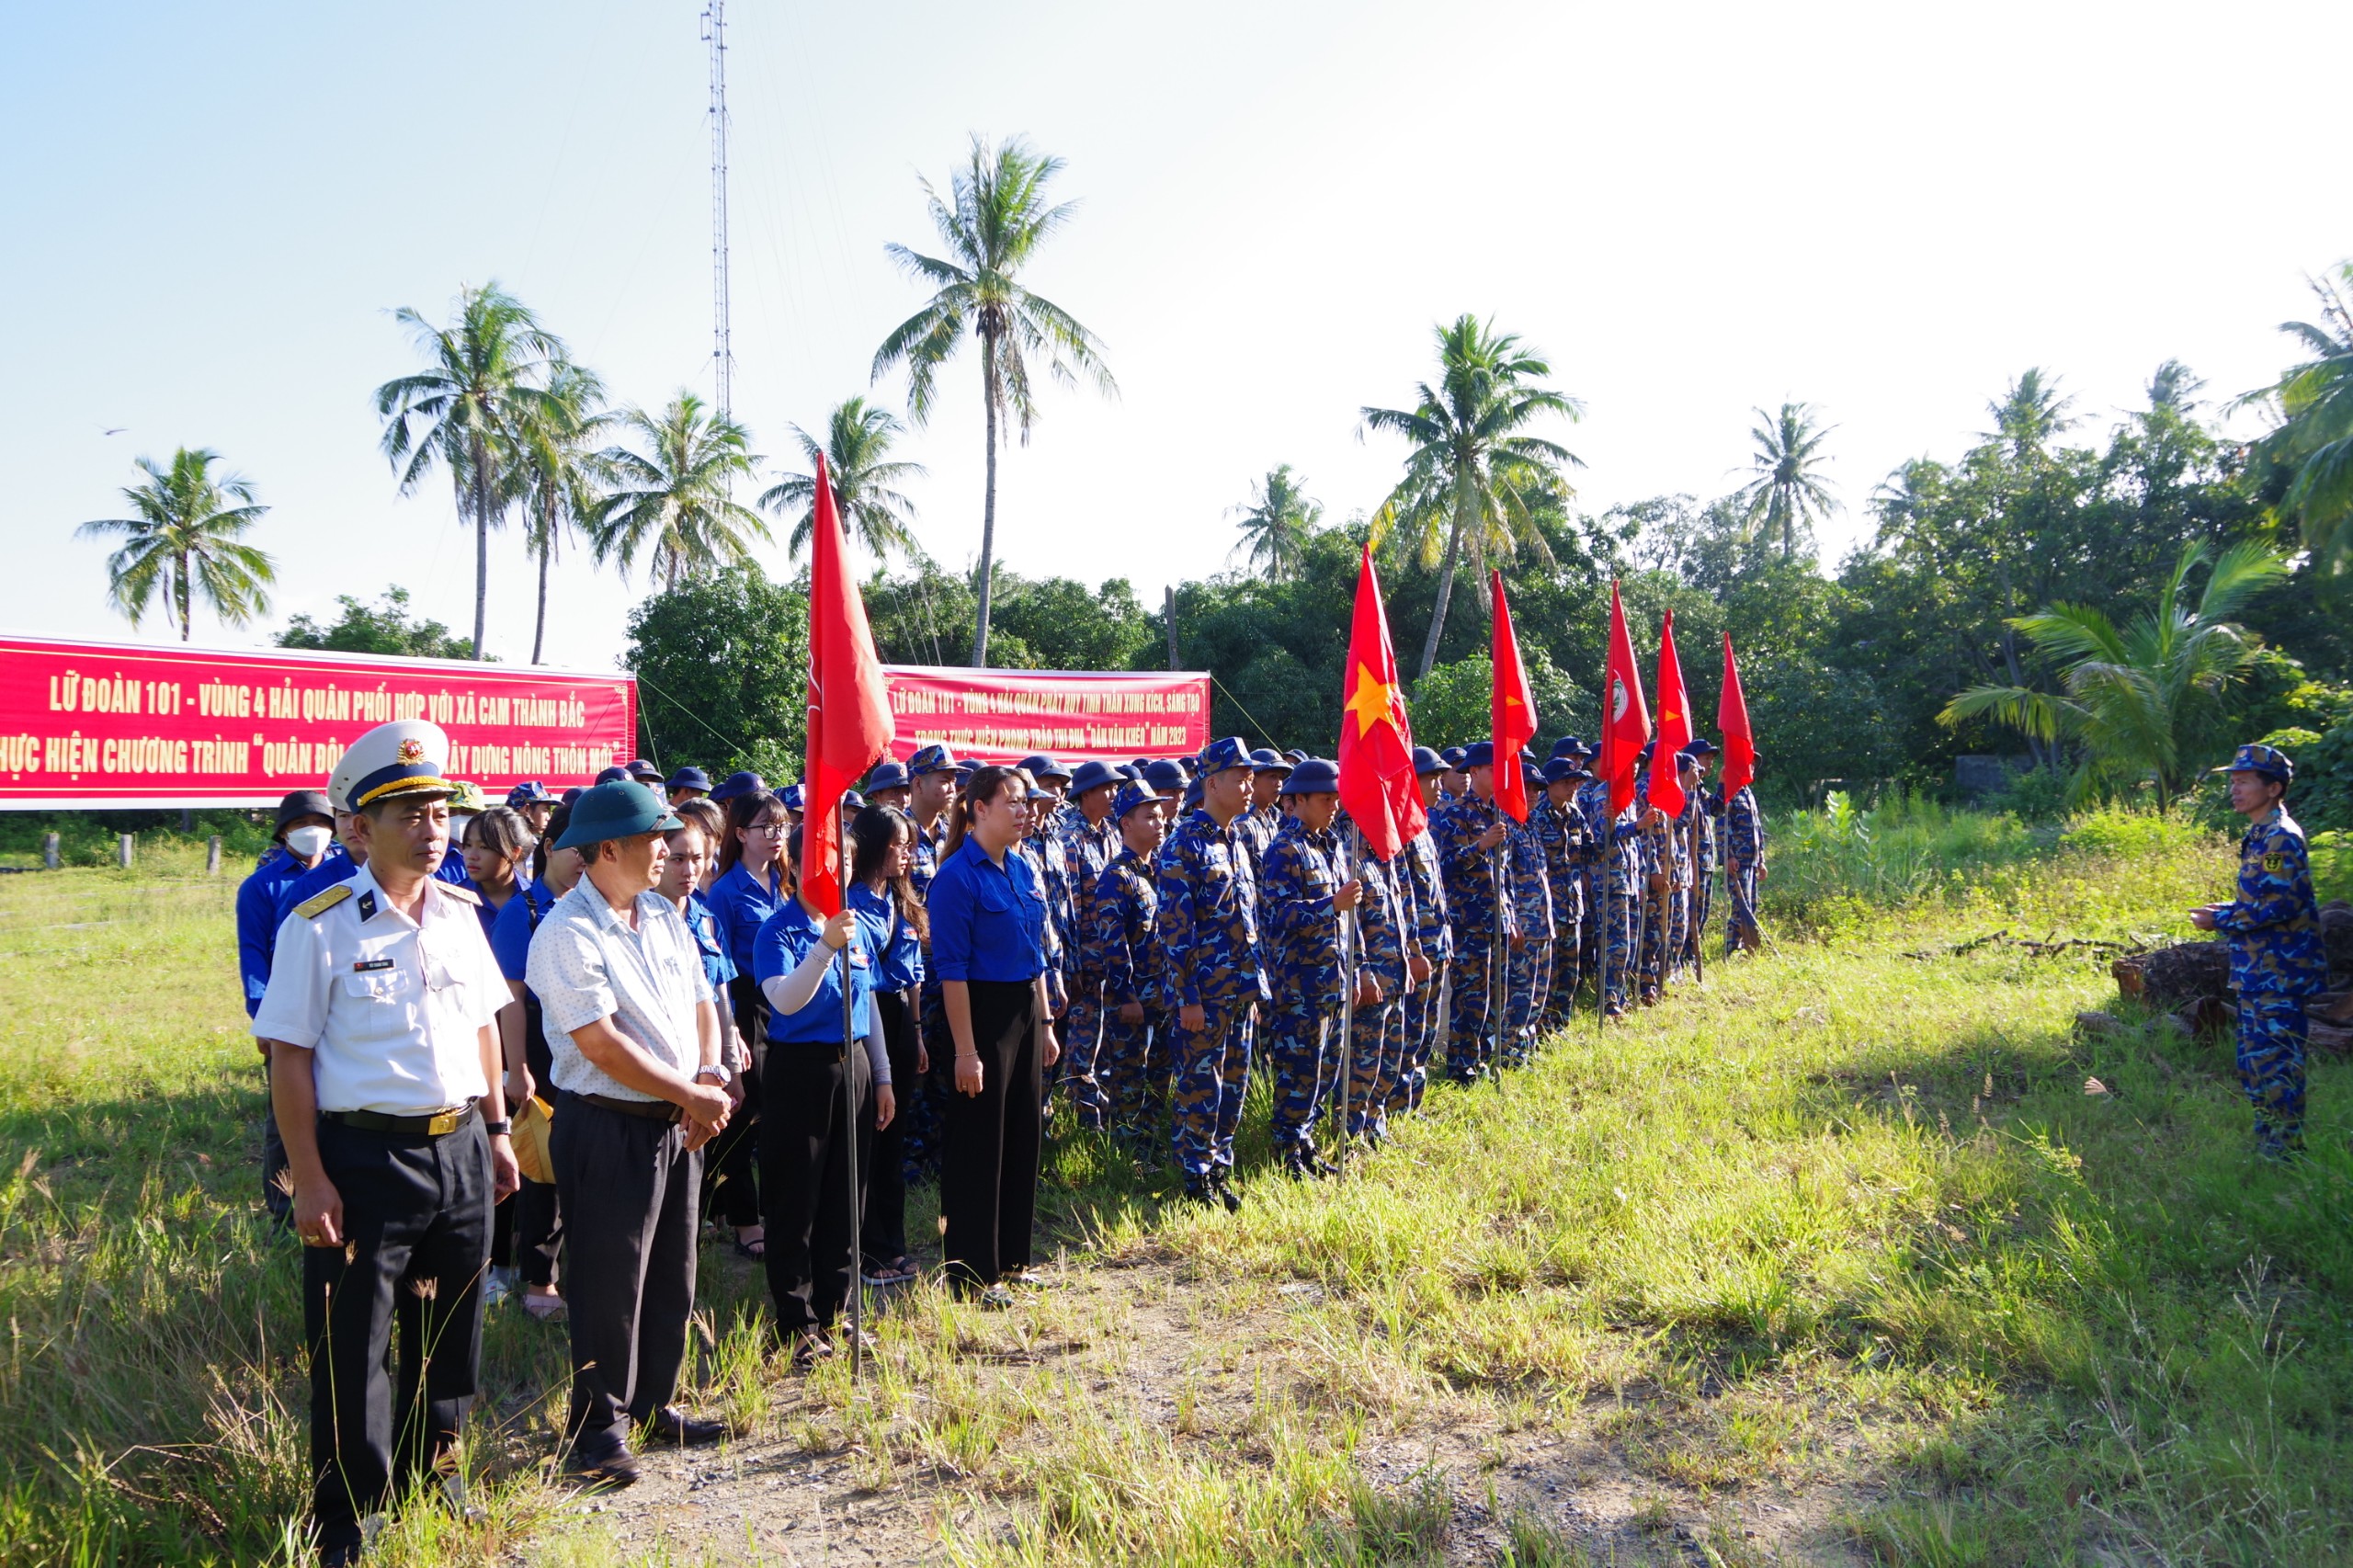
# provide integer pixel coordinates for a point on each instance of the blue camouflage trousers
(1082, 1035)
(1613, 923)
(1657, 931)
(1569, 941)
(1209, 1073)
(1132, 1070)
(2272, 1031)
(1740, 916)
(1417, 1040)
(1678, 930)
(1703, 898)
(1469, 1046)
(1303, 1054)
(1376, 1062)
(1529, 977)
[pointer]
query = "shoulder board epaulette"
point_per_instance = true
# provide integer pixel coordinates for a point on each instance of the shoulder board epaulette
(318, 904)
(454, 891)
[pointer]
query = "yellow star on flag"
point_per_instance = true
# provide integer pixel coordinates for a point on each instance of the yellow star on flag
(1372, 700)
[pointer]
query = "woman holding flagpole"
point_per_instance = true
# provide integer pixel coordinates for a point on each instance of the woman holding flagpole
(988, 916)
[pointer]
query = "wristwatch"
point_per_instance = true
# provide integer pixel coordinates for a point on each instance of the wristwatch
(502, 1127)
(716, 1071)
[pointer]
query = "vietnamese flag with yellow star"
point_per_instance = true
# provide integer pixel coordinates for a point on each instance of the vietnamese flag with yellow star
(1511, 711)
(1673, 724)
(1378, 788)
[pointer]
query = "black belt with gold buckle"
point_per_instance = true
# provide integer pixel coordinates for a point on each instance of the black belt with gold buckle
(432, 1124)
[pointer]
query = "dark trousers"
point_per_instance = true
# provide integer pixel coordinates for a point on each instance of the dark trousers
(416, 1220)
(988, 1180)
(806, 1144)
(884, 1238)
(627, 1185)
(730, 1166)
(275, 1195)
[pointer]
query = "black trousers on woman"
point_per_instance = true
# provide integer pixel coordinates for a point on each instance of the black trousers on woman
(884, 1238)
(730, 1166)
(813, 1220)
(988, 1177)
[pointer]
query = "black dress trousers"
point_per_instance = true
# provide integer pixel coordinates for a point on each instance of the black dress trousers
(988, 1177)
(812, 1218)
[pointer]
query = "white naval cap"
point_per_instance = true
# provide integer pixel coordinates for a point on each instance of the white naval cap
(404, 757)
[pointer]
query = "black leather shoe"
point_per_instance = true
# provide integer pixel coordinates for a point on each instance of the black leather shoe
(1199, 1192)
(609, 1473)
(1225, 1195)
(671, 1425)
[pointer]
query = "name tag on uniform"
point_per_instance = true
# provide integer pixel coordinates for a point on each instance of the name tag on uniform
(366, 965)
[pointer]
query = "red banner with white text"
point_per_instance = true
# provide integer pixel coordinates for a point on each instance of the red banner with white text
(117, 724)
(1006, 715)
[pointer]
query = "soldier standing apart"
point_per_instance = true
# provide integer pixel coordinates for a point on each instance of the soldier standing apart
(1468, 833)
(2278, 958)
(1744, 845)
(384, 1080)
(1531, 957)
(1209, 931)
(1122, 944)
(1433, 942)
(1301, 899)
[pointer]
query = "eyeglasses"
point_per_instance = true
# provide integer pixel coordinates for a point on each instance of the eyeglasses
(767, 827)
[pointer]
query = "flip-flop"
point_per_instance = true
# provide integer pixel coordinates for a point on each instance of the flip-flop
(757, 1251)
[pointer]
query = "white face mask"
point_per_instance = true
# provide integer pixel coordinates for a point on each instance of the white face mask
(308, 843)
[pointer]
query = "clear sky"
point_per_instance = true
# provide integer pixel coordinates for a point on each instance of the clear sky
(208, 213)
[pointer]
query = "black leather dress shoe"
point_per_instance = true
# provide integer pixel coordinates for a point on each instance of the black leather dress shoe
(671, 1425)
(606, 1472)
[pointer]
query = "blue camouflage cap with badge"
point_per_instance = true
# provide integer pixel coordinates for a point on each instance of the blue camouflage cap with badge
(1130, 798)
(1220, 756)
(792, 795)
(933, 758)
(2268, 761)
(530, 792)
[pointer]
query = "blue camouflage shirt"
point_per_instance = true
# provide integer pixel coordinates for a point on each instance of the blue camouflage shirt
(1123, 935)
(1300, 926)
(2274, 923)
(1209, 916)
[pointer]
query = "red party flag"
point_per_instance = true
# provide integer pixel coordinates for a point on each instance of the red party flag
(1625, 723)
(849, 710)
(1673, 724)
(1511, 711)
(1732, 717)
(1378, 788)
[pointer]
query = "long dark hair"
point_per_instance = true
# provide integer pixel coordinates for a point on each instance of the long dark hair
(558, 820)
(983, 785)
(875, 832)
(742, 813)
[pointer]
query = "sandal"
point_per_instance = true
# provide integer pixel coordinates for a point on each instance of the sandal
(757, 1249)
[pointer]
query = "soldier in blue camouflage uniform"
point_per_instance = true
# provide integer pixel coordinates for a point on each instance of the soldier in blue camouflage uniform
(1700, 810)
(1208, 933)
(1529, 973)
(1743, 848)
(1087, 838)
(1122, 950)
(1683, 875)
(2278, 958)
(931, 790)
(1561, 828)
(1616, 862)
(1264, 819)
(1453, 783)
(1657, 889)
(1469, 834)
(1376, 1031)
(1303, 897)
(1423, 889)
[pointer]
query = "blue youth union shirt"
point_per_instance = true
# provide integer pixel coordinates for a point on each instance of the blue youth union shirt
(742, 904)
(988, 921)
(892, 937)
(784, 940)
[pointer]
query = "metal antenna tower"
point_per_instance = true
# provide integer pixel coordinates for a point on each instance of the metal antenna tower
(723, 351)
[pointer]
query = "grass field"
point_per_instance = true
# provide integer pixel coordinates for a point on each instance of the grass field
(1840, 1242)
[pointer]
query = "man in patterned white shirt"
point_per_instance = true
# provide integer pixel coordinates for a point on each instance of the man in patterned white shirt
(633, 1031)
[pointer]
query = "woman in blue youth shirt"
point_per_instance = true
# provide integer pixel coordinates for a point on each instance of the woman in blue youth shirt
(751, 884)
(817, 1071)
(988, 919)
(882, 893)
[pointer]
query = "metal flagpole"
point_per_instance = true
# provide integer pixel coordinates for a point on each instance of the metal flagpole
(850, 1042)
(1348, 999)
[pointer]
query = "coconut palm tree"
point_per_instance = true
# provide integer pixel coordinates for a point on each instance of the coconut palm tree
(858, 437)
(484, 377)
(558, 471)
(1276, 523)
(1473, 477)
(992, 222)
(2133, 697)
(673, 496)
(2314, 439)
(187, 540)
(2030, 415)
(1787, 488)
